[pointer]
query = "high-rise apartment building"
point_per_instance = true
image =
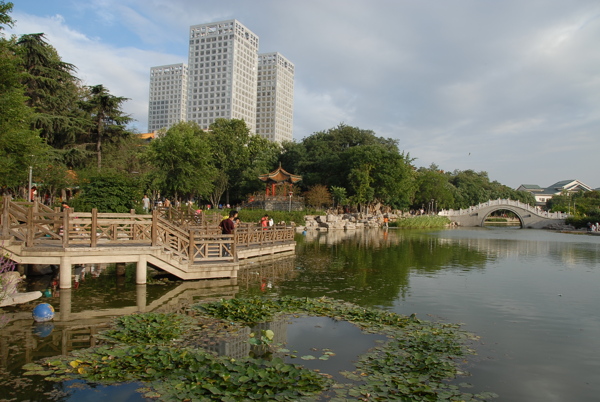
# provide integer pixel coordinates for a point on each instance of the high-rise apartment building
(227, 78)
(168, 96)
(222, 62)
(275, 97)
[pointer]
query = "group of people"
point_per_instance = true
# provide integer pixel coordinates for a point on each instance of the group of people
(593, 227)
(265, 222)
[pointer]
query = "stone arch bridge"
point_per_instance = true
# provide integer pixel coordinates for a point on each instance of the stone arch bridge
(530, 217)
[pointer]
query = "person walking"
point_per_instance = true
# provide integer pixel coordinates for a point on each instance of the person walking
(146, 203)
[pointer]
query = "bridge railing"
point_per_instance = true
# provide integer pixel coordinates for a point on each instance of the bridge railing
(504, 202)
(182, 240)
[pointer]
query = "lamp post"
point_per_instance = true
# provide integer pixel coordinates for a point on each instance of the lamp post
(29, 197)
(290, 207)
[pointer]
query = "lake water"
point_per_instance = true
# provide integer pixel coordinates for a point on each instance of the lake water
(531, 296)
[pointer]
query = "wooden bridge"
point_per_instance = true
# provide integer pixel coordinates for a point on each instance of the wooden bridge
(530, 217)
(187, 245)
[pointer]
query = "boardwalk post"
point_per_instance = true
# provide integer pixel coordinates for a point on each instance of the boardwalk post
(65, 272)
(66, 229)
(30, 228)
(65, 304)
(191, 247)
(141, 270)
(132, 230)
(6, 217)
(93, 229)
(154, 230)
(140, 297)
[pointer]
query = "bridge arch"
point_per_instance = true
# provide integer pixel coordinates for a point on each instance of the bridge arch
(504, 208)
(529, 216)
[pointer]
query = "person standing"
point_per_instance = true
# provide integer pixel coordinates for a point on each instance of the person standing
(228, 225)
(146, 203)
(264, 222)
(227, 228)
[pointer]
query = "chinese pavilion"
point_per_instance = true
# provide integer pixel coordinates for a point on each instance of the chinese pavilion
(279, 182)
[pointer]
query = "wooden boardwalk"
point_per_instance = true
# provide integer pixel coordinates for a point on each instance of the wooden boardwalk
(180, 242)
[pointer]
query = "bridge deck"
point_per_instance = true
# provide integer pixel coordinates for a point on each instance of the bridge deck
(189, 247)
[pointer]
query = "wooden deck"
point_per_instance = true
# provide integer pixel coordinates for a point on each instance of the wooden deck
(180, 242)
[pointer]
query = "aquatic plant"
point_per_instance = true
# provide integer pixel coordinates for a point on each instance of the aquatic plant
(422, 221)
(161, 350)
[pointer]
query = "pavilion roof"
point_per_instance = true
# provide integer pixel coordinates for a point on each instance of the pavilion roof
(279, 175)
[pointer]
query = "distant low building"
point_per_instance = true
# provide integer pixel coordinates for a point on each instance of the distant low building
(544, 194)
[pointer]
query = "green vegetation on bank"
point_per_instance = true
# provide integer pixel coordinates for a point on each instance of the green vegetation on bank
(162, 351)
(421, 221)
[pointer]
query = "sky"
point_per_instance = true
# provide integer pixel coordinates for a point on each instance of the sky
(509, 87)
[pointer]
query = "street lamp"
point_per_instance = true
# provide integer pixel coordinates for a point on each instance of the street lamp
(29, 198)
(290, 207)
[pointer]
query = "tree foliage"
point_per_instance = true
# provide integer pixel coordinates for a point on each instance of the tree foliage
(183, 165)
(52, 90)
(108, 191)
(318, 196)
(108, 122)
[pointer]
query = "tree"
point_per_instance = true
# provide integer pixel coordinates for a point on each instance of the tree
(262, 158)
(240, 157)
(5, 18)
(19, 145)
(182, 162)
(339, 195)
(52, 90)
(433, 184)
(108, 120)
(108, 191)
(360, 180)
(318, 196)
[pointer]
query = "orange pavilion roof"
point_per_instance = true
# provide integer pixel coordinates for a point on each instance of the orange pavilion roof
(279, 175)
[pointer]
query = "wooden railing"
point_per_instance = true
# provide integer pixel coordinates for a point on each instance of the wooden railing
(36, 225)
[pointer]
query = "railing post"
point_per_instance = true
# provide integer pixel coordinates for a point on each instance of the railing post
(30, 228)
(66, 219)
(154, 227)
(132, 212)
(191, 247)
(233, 253)
(6, 216)
(93, 229)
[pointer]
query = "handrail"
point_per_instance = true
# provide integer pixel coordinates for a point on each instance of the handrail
(505, 202)
(185, 243)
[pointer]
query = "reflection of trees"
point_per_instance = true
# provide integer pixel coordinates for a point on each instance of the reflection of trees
(372, 267)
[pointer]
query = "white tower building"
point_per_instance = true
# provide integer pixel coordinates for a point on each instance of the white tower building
(168, 96)
(275, 97)
(223, 58)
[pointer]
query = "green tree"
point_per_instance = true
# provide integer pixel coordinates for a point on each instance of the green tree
(108, 120)
(229, 140)
(262, 158)
(433, 184)
(52, 90)
(182, 162)
(20, 146)
(5, 18)
(360, 180)
(108, 191)
(339, 195)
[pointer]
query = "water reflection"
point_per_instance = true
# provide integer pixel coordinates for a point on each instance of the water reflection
(532, 295)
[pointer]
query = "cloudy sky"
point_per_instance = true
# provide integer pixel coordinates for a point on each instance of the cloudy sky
(509, 87)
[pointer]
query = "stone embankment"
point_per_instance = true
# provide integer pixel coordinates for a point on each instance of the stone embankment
(345, 221)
